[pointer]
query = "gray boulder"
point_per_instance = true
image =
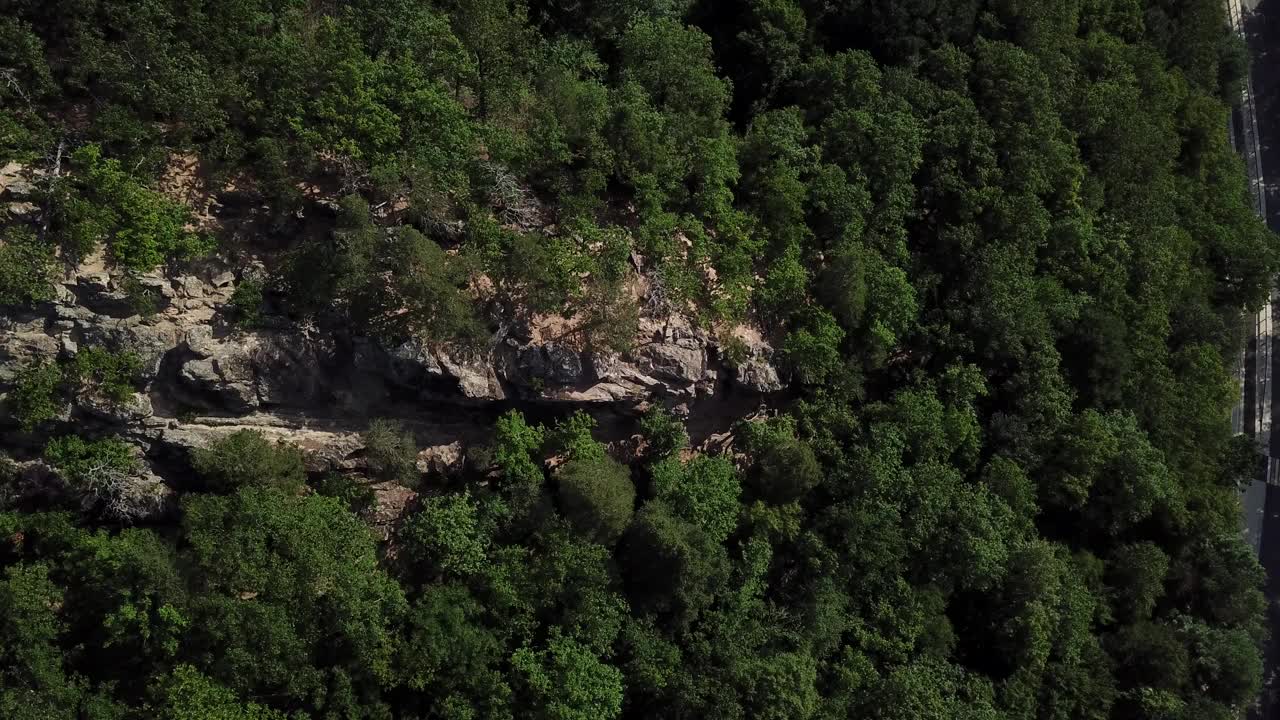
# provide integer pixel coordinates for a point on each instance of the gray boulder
(134, 410)
(536, 366)
(223, 382)
(98, 294)
(758, 375)
(19, 347)
(445, 459)
(474, 374)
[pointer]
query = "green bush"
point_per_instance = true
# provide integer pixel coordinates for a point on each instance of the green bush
(188, 693)
(612, 318)
(444, 534)
(597, 497)
(9, 475)
(28, 268)
(812, 349)
(427, 295)
(358, 496)
(85, 462)
(247, 458)
(38, 390)
(391, 284)
(543, 269)
(571, 437)
(122, 135)
(291, 595)
(36, 394)
(675, 569)
(516, 449)
(245, 305)
(114, 374)
(705, 491)
(664, 432)
(142, 228)
(734, 351)
(785, 467)
(786, 471)
(390, 452)
(569, 679)
(143, 300)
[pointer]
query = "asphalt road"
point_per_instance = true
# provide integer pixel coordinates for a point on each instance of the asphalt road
(1256, 133)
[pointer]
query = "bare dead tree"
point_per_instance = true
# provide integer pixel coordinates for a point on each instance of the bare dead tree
(515, 204)
(50, 184)
(118, 494)
(657, 300)
(9, 77)
(57, 158)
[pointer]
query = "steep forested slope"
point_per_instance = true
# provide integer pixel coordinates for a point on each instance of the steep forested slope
(1002, 249)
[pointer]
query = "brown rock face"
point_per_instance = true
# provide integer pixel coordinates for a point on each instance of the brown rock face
(202, 379)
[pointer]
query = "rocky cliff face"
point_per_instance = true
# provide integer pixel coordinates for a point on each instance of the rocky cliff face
(202, 378)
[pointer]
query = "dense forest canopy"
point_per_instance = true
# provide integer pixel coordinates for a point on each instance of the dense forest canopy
(1003, 248)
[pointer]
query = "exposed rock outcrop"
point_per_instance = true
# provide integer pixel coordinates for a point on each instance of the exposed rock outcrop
(134, 410)
(755, 371)
(241, 372)
(17, 190)
(22, 343)
(138, 496)
(202, 379)
(444, 459)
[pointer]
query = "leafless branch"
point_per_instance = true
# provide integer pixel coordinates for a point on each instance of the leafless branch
(514, 203)
(10, 77)
(57, 160)
(118, 494)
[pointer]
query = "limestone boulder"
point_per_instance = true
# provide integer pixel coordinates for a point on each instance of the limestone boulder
(22, 344)
(447, 459)
(135, 409)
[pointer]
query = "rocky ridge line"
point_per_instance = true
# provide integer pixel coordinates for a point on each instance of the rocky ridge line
(203, 379)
